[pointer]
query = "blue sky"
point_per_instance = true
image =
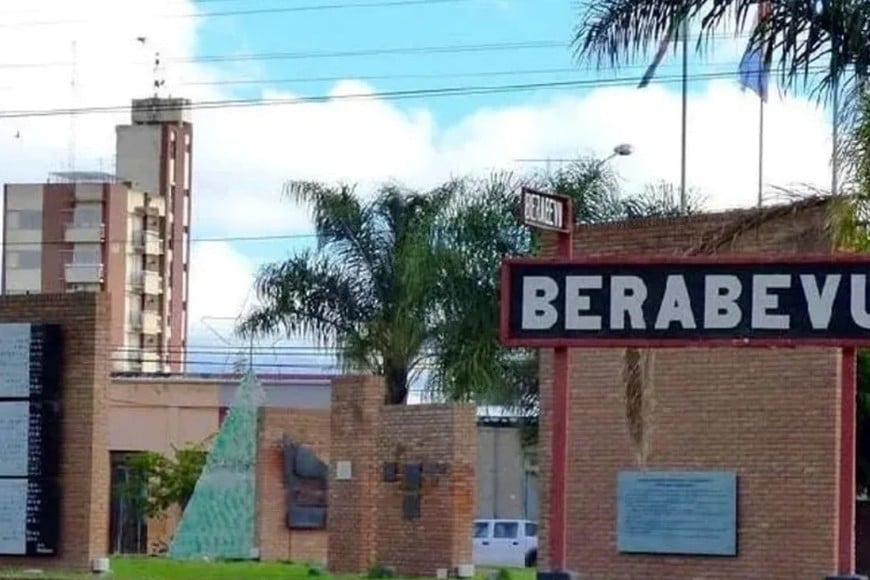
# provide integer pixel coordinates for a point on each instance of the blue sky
(475, 22)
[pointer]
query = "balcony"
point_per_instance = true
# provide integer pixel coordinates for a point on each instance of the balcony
(89, 192)
(76, 273)
(153, 244)
(152, 282)
(150, 323)
(84, 233)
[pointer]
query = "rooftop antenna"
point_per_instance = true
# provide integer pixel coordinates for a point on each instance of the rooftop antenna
(159, 81)
(71, 144)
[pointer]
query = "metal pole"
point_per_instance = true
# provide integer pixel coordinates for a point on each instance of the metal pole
(835, 131)
(848, 395)
(760, 150)
(559, 442)
(685, 34)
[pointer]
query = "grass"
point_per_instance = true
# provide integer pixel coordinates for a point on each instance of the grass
(142, 568)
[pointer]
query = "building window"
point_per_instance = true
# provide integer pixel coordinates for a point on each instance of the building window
(172, 171)
(24, 219)
(25, 259)
(87, 255)
(87, 216)
(187, 169)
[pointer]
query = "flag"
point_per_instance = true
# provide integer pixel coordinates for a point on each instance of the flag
(657, 59)
(753, 69)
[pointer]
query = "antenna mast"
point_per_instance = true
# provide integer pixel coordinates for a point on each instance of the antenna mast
(159, 81)
(71, 144)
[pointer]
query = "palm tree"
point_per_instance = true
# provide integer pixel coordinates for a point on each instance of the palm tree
(822, 45)
(484, 228)
(367, 287)
(798, 34)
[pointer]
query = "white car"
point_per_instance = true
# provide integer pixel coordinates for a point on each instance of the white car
(508, 543)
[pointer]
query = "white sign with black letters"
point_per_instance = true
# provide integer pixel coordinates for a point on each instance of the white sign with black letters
(545, 210)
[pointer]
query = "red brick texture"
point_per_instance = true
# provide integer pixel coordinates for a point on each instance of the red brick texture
(308, 426)
(771, 415)
(366, 523)
(353, 503)
(84, 469)
(441, 538)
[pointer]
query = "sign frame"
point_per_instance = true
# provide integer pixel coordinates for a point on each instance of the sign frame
(567, 213)
(510, 341)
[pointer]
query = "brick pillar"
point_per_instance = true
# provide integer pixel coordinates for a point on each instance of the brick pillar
(463, 482)
(273, 537)
(352, 517)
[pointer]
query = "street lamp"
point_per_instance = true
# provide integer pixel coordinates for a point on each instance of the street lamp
(621, 150)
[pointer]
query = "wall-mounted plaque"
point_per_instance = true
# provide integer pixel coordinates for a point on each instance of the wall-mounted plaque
(30, 437)
(15, 346)
(677, 512)
(29, 520)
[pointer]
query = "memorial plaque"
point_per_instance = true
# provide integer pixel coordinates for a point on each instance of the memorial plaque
(15, 360)
(14, 438)
(13, 516)
(677, 512)
(31, 357)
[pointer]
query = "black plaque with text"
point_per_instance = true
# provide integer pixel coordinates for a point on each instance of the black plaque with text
(31, 378)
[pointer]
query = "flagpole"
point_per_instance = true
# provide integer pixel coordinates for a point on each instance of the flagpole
(760, 149)
(685, 79)
(835, 130)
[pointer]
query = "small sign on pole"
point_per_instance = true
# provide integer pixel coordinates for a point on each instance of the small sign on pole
(545, 211)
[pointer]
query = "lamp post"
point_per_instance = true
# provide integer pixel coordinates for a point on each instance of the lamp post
(621, 150)
(558, 516)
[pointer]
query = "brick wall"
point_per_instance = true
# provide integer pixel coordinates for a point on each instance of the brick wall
(441, 538)
(772, 415)
(84, 469)
(352, 515)
(276, 541)
(366, 523)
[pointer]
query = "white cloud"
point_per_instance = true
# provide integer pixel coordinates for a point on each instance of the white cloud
(243, 155)
(220, 288)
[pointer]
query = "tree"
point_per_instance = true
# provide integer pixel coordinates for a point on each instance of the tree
(485, 228)
(407, 282)
(155, 482)
(822, 45)
(367, 288)
(798, 35)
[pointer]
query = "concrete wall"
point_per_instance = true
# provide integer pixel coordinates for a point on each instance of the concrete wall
(771, 415)
(506, 483)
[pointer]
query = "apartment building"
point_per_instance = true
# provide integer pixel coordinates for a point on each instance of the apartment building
(125, 233)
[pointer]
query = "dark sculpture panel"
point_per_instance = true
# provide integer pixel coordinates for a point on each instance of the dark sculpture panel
(306, 479)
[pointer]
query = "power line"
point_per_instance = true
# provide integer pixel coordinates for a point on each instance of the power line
(258, 11)
(312, 55)
(384, 95)
(415, 76)
(262, 238)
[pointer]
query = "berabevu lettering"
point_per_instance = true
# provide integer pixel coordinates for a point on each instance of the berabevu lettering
(543, 210)
(797, 300)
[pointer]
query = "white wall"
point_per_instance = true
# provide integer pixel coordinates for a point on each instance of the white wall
(138, 156)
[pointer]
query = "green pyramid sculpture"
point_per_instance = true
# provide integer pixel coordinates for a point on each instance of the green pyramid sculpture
(219, 520)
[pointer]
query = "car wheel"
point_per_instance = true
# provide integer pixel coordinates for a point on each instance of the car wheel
(532, 559)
